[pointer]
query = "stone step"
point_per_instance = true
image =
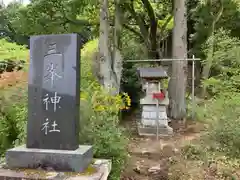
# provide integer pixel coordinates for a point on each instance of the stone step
(152, 130)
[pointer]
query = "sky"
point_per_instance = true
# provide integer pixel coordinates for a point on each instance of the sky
(6, 2)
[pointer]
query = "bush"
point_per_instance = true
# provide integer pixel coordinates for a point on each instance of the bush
(225, 71)
(130, 82)
(12, 51)
(13, 114)
(222, 112)
(193, 152)
(12, 56)
(99, 115)
(223, 116)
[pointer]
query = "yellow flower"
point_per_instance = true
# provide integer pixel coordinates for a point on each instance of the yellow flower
(100, 108)
(83, 96)
(89, 74)
(128, 101)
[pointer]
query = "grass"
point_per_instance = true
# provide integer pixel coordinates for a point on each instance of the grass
(12, 51)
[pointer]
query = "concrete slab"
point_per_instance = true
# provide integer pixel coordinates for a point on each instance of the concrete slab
(152, 130)
(98, 170)
(60, 160)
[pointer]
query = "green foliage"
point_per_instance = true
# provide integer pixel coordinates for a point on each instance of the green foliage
(102, 130)
(222, 114)
(169, 26)
(131, 50)
(222, 111)
(225, 73)
(13, 116)
(193, 152)
(130, 82)
(8, 29)
(86, 63)
(63, 16)
(201, 12)
(100, 117)
(53, 16)
(12, 51)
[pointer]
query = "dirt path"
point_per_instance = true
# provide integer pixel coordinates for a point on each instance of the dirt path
(148, 158)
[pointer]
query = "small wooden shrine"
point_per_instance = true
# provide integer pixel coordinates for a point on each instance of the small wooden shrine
(154, 120)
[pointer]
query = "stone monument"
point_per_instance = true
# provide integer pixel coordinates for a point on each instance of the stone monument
(154, 118)
(53, 108)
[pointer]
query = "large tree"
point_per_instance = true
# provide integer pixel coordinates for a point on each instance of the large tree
(149, 21)
(110, 58)
(8, 29)
(104, 46)
(177, 85)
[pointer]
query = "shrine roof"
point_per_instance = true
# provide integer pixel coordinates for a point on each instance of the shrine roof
(152, 72)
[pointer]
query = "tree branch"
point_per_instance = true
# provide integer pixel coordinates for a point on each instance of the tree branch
(76, 21)
(220, 12)
(166, 23)
(133, 30)
(141, 23)
(79, 22)
(149, 8)
(153, 28)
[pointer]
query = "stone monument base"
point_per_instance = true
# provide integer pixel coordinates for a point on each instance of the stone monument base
(99, 169)
(152, 130)
(59, 160)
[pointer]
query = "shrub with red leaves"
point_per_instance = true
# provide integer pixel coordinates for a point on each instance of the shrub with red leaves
(9, 79)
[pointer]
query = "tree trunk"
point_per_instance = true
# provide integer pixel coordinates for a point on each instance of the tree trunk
(177, 84)
(152, 48)
(117, 58)
(110, 61)
(104, 53)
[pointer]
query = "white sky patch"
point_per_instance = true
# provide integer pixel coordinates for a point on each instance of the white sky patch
(6, 2)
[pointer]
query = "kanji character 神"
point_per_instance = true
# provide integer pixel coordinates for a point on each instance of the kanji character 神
(55, 100)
